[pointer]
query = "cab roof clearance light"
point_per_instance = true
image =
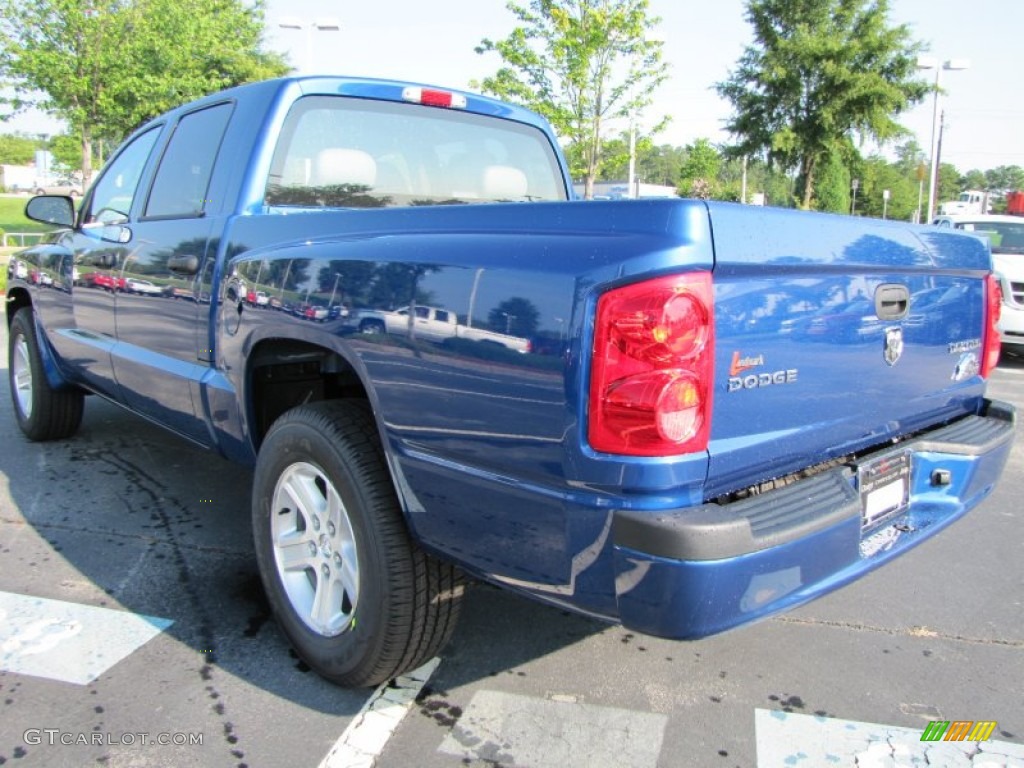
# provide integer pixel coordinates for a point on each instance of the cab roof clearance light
(431, 97)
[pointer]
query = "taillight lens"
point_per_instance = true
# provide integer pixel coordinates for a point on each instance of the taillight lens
(650, 389)
(993, 306)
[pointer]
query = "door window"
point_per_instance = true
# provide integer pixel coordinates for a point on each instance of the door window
(113, 194)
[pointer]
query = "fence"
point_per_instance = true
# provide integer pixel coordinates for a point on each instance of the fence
(9, 237)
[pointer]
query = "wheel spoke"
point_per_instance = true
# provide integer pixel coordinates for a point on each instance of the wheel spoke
(326, 602)
(22, 374)
(294, 551)
(301, 488)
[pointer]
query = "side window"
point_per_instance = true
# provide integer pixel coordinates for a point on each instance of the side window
(114, 192)
(183, 178)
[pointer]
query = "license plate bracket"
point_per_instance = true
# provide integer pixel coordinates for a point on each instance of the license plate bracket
(884, 486)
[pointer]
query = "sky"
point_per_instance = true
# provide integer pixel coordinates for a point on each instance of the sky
(433, 42)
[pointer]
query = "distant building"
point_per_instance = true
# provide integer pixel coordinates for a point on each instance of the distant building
(619, 190)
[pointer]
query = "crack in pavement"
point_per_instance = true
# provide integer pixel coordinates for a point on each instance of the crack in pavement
(914, 632)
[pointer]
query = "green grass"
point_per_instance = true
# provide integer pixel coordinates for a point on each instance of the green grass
(12, 216)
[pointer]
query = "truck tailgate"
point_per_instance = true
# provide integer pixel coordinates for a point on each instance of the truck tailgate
(834, 334)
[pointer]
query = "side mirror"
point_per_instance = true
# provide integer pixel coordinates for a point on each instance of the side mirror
(51, 209)
(115, 233)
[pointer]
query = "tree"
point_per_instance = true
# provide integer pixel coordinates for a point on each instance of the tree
(820, 73)
(67, 152)
(947, 184)
(516, 316)
(581, 64)
(974, 179)
(107, 66)
(877, 175)
(1005, 178)
(17, 150)
(698, 176)
(833, 192)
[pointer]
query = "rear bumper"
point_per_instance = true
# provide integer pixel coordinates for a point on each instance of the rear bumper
(692, 572)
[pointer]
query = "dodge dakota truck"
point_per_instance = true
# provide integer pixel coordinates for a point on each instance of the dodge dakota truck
(739, 415)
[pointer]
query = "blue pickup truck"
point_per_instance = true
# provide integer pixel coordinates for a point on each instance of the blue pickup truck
(721, 411)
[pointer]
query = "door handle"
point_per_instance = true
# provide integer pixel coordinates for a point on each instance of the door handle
(184, 265)
(103, 259)
(892, 301)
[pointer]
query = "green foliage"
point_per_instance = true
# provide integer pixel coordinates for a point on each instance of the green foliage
(819, 73)
(517, 316)
(974, 180)
(948, 184)
(16, 149)
(1005, 178)
(581, 64)
(698, 176)
(877, 175)
(67, 152)
(107, 66)
(654, 164)
(833, 192)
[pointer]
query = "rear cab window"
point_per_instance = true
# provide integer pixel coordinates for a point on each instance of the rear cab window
(183, 179)
(343, 152)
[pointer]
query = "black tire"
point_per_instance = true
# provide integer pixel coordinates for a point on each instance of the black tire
(43, 413)
(372, 327)
(405, 604)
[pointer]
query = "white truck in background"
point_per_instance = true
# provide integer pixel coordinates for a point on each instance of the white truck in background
(969, 201)
(433, 324)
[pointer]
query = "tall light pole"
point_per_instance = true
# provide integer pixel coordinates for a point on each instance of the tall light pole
(928, 62)
(323, 25)
(854, 185)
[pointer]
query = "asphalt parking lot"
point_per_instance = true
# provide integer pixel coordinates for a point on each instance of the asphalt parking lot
(142, 544)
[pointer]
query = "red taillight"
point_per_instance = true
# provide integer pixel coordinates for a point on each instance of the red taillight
(432, 97)
(650, 388)
(993, 304)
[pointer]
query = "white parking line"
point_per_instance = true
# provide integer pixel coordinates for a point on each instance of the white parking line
(790, 739)
(69, 642)
(362, 741)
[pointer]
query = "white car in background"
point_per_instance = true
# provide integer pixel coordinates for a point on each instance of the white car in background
(1005, 235)
(143, 287)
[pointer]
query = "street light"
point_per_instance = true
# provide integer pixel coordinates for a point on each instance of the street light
(855, 184)
(928, 62)
(324, 25)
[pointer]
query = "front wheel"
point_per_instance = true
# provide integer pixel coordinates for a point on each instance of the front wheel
(359, 601)
(43, 413)
(371, 327)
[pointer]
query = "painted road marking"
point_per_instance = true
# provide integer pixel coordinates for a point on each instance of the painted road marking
(363, 740)
(69, 642)
(511, 729)
(790, 740)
